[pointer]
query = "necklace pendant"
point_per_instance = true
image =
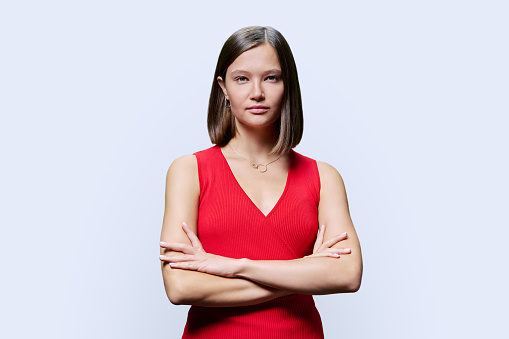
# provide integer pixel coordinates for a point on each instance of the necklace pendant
(261, 168)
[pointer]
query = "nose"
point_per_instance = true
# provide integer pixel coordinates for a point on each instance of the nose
(257, 93)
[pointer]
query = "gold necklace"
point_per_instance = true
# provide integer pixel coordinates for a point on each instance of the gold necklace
(262, 168)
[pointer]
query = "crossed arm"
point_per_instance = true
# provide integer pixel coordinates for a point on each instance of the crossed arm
(192, 276)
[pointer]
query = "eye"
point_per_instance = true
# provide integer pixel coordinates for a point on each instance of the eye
(240, 79)
(272, 78)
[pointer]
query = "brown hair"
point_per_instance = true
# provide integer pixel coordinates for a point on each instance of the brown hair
(220, 120)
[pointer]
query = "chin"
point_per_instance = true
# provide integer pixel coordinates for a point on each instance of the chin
(258, 122)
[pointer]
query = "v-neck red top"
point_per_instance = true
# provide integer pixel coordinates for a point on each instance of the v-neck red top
(231, 225)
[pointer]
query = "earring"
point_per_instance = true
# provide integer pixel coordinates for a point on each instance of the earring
(226, 103)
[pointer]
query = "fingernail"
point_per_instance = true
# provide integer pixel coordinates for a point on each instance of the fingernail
(335, 255)
(172, 264)
(163, 257)
(343, 233)
(347, 249)
(162, 243)
(185, 224)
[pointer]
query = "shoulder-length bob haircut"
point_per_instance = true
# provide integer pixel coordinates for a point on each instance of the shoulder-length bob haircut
(220, 120)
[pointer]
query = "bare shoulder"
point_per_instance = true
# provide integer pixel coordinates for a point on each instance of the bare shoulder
(184, 163)
(183, 174)
(329, 176)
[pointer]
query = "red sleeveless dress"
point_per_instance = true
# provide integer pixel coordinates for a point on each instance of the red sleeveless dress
(230, 224)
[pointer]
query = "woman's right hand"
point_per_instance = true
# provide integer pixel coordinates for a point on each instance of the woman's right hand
(325, 249)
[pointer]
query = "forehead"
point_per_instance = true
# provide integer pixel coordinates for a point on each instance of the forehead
(257, 59)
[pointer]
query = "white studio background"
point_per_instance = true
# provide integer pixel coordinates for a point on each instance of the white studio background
(407, 99)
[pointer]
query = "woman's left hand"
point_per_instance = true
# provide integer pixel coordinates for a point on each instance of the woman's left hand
(194, 258)
(325, 249)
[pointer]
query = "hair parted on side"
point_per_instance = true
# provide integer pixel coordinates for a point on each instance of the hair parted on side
(220, 120)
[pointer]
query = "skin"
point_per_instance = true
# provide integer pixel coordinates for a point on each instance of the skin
(194, 277)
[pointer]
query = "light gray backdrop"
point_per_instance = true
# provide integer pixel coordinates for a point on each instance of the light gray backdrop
(407, 99)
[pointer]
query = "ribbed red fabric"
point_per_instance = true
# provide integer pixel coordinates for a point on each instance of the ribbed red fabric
(230, 224)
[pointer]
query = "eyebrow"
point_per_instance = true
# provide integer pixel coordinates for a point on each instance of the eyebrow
(240, 71)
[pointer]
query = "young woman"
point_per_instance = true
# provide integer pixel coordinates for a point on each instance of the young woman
(239, 239)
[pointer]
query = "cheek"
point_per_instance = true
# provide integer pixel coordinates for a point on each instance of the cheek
(236, 102)
(280, 96)
(236, 97)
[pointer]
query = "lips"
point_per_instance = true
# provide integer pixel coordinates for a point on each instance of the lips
(257, 109)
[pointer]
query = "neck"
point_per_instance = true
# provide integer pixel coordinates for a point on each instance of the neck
(255, 144)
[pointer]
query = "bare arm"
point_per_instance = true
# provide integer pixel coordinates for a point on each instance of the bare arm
(190, 287)
(310, 275)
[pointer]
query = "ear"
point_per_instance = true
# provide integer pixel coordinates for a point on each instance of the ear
(223, 87)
